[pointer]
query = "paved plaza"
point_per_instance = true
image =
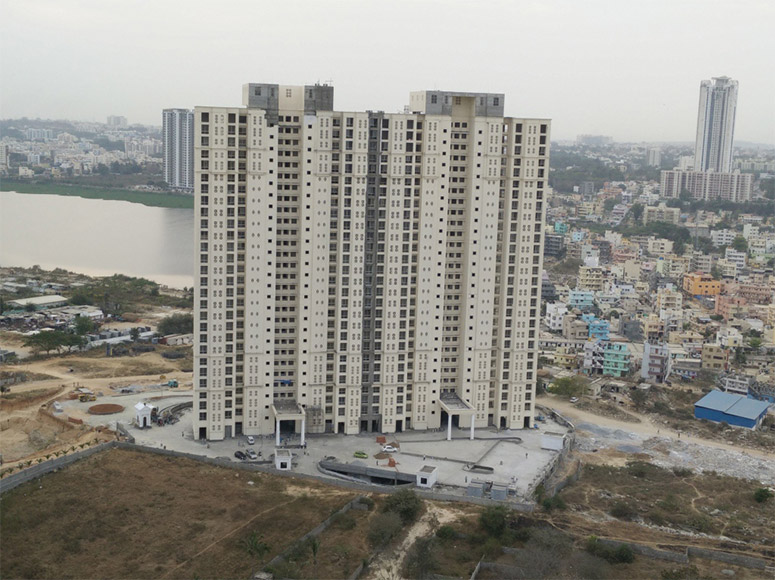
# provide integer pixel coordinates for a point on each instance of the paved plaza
(516, 457)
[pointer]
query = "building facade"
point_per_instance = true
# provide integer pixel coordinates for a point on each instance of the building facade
(364, 271)
(715, 125)
(735, 187)
(178, 148)
(697, 284)
(661, 213)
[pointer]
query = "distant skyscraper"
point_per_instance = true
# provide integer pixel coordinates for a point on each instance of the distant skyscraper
(178, 137)
(117, 121)
(654, 157)
(715, 125)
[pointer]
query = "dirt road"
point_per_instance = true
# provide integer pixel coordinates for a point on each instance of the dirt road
(388, 565)
(646, 427)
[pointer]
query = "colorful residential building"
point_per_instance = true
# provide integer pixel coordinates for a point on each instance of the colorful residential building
(596, 328)
(697, 284)
(561, 228)
(616, 359)
(581, 299)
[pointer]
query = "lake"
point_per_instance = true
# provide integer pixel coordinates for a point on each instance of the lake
(97, 237)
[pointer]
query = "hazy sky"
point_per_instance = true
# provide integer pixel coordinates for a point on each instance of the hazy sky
(623, 68)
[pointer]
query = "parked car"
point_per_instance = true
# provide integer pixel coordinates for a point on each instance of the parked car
(240, 455)
(251, 453)
(360, 455)
(390, 449)
(251, 440)
(574, 399)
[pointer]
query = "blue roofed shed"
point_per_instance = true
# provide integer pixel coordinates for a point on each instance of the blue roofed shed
(733, 409)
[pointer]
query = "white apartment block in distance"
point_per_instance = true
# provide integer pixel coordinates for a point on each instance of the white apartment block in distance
(178, 148)
(366, 271)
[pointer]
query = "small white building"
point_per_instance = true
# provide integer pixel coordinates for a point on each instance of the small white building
(283, 459)
(555, 311)
(143, 414)
(427, 476)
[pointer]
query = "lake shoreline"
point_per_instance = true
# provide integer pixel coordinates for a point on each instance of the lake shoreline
(147, 198)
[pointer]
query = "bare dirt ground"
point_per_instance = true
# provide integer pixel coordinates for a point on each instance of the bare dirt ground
(647, 426)
(28, 436)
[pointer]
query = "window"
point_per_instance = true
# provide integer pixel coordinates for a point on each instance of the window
(289, 93)
(434, 99)
(496, 101)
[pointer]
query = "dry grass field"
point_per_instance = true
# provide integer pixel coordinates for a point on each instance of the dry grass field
(687, 502)
(127, 514)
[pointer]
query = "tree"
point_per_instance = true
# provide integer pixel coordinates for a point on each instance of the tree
(405, 503)
(740, 357)
(762, 494)
(568, 386)
(755, 343)
(176, 324)
(740, 244)
(134, 333)
(637, 212)
(639, 397)
(421, 561)
(83, 325)
(493, 520)
(29, 307)
(383, 527)
(72, 341)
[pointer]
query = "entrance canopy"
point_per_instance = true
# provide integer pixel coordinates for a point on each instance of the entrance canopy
(454, 405)
(288, 410)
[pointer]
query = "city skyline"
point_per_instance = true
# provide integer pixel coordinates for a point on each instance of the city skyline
(567, 50)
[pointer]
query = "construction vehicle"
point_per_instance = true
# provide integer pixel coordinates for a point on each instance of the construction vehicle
(85, 398)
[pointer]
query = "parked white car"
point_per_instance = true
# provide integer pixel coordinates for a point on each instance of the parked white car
(390, 449)
(251, 440)
(251, 453)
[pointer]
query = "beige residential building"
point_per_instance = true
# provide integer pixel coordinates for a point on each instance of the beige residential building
(669, 299)
(659, 246)
(365, 271)
(590, 278)
(714, 357)
(661, 213)
(735, 187)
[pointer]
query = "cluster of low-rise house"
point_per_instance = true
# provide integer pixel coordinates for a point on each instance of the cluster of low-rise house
(639, 310)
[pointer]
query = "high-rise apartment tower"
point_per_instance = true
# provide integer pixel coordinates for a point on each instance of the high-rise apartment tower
(366, 271)
(715, 125)
(178, 138)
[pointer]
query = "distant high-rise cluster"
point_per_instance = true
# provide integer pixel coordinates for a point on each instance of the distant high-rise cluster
(178, 141)
(715, 125)
(116, 121)
(366, 271)
(711, 176)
